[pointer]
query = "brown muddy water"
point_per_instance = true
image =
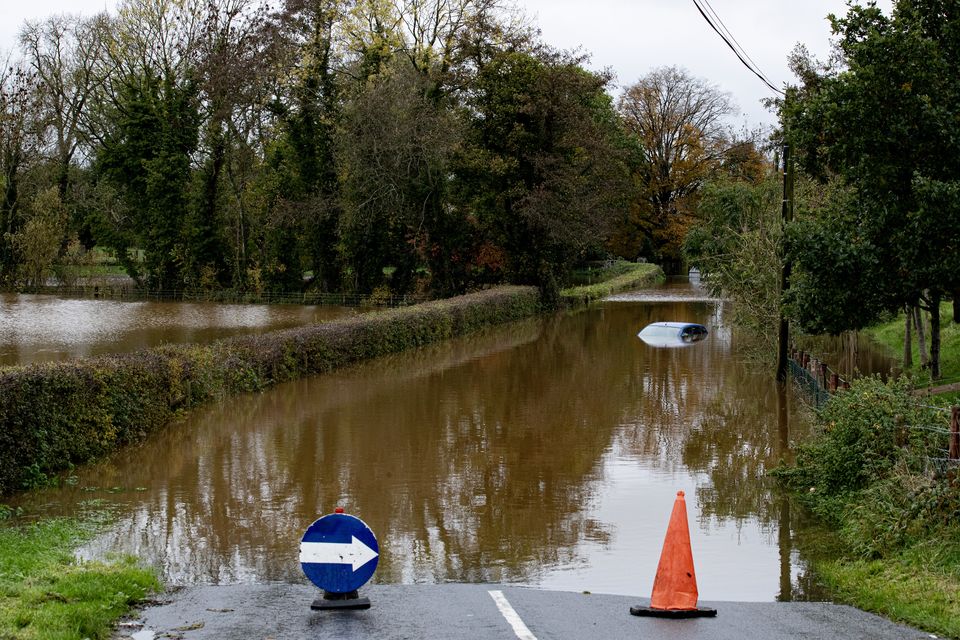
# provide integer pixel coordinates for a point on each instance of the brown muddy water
(39, 328)
(544, 453)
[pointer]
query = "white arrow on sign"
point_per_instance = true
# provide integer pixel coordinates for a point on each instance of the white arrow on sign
(355, 553)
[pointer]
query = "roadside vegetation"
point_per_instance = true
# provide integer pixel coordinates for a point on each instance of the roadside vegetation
(47, 594)
(875, 474)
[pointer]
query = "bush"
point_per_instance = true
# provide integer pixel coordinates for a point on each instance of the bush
(56, 414)
(867, 473)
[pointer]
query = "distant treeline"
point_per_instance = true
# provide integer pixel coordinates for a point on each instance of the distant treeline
(340, 145)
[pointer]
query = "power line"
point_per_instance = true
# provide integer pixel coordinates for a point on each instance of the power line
(737, 50)
(729, 33)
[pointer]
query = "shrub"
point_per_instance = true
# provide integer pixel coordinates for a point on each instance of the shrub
(867, 472)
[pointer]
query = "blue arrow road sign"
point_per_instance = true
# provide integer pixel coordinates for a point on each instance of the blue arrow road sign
(339, 553)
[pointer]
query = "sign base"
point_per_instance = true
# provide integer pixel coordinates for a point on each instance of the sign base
(350, 600)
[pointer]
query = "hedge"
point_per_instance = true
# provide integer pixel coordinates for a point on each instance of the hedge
(639, 275)
(54, 415)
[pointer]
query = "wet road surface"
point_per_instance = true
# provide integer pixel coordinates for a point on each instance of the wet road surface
(461, 611)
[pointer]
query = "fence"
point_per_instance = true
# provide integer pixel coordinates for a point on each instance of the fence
(815, 377)
(950, 461)
(133, 293)
(820, 382)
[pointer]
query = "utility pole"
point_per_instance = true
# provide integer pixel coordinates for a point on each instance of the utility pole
(786, 215)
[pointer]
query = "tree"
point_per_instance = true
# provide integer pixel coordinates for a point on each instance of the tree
(63, 52)
(546, 168)
(147, 159)
(230, 81)
(395, 149)
(37, 242)
(147, 129)
(677, 122)
(19, 148)
(302, 225)
(887, 122)
(736, 247)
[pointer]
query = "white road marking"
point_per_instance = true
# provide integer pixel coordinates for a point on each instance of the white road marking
(519, 628)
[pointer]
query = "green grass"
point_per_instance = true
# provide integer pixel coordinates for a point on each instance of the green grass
(629, 276)
(46, 594)
(890, 335)
(593, 275)
(905, 589)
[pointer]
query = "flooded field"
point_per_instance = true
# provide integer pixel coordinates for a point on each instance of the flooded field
(39, 328)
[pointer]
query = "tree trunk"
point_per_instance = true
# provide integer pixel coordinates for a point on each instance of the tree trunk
(908, 341)
(854, 350)
(935, 335)
(921, 336)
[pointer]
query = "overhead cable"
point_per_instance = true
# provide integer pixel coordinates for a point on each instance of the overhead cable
(737, 49)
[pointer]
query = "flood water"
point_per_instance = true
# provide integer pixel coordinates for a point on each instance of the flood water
(39, 328)
(544, 453)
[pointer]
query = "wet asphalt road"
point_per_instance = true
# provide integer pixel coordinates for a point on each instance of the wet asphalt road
(468, 611)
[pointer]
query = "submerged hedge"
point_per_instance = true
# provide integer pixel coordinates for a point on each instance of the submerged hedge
(58, 414)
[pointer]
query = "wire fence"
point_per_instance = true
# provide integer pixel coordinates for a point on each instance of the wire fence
(133, 293)
(815, 376)
(820, 382)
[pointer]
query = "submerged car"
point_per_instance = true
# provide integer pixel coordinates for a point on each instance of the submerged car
(672, 334)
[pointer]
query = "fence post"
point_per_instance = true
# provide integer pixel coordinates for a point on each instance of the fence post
(955, 433)
(834, 382)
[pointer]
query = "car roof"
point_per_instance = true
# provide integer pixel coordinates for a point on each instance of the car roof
(674, 325)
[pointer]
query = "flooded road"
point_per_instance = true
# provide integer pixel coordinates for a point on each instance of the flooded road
(40, 328)
(544, 453)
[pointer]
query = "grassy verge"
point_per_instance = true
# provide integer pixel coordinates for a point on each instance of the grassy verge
(45, 594)
(900, 589)
(871, 475)
(628, 276)
(890, 335)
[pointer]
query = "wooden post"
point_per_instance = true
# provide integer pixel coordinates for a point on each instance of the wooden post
(786, 214)
(823, 374)
(834, 382)
(955, 434)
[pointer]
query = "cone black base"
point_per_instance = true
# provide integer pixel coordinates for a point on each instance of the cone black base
(676, 614)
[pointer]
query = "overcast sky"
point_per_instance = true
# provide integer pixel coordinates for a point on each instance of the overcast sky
(631, 37)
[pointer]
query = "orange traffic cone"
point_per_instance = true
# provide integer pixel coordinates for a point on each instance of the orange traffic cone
(675, 587)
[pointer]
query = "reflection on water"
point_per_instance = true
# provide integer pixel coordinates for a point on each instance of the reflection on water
(37, 328)
(851, 354)
(547, 453)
